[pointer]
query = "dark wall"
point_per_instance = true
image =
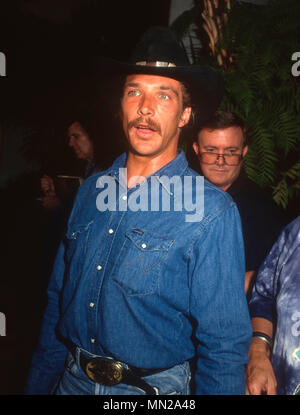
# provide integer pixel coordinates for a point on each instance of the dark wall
(51, 47)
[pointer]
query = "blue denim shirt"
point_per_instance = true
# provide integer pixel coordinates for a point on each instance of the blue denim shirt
(145, 286)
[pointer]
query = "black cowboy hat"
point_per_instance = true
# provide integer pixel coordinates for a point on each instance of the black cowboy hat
(160, 53)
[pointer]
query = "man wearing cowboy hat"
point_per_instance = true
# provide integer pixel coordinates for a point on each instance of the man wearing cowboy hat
(140, 287)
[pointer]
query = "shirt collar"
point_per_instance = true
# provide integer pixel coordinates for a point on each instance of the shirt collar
(175, 167)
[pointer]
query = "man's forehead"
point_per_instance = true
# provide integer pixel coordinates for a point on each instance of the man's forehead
(230, 136)
(153, 80)
(75, 127)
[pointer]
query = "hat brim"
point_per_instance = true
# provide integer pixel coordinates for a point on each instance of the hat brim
(204, 83)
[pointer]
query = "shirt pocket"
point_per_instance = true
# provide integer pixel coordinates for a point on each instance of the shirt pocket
(140, 262)
(76, 240)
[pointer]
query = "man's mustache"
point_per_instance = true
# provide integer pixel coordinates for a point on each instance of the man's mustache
(147, 122)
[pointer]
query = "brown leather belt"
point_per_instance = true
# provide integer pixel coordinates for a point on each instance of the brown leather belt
(110, 372)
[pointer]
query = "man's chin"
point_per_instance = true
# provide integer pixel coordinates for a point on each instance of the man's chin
(144, 148)
(143, 152)
(216, 182)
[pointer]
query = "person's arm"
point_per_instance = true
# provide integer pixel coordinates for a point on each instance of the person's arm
(248, 278)
(218, 304)
(260, 377)
(49, 358)
(50, 199)
(47, 185)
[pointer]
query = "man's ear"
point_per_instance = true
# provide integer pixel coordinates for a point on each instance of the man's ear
(120, 113)
(196, 148)
(185, 116)
(245, 150)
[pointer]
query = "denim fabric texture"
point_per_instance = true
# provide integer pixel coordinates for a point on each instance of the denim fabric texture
(148, 288)
(174, 381)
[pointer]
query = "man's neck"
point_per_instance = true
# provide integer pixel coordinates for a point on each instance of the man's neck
(225, 188)
(139, 167)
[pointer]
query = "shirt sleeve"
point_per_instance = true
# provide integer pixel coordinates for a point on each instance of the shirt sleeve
(262, 299)
(48, 361)
(219, 307)
(49, 358)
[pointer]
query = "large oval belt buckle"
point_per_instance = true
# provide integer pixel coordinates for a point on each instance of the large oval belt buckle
(105, 371)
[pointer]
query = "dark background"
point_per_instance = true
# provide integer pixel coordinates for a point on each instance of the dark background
(51, 48)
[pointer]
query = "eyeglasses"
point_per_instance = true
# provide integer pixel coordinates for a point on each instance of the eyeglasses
(212, 158)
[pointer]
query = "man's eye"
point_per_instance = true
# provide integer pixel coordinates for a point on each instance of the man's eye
(164, 96)
(133, 93)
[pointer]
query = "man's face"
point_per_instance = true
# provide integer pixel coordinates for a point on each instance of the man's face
(80, 142)
(152, 114)
(225, 141)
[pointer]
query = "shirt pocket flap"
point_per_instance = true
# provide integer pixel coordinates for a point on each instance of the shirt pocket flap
(147, 241)
(75, 230)
(76, 241)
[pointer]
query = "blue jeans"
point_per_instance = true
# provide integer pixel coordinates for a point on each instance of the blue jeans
(174, 381)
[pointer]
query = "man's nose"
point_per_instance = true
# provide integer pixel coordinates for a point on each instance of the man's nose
(146, 106)
(220, 160)
(71, 141)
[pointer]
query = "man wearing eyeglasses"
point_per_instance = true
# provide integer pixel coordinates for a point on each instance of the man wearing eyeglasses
(221, 147)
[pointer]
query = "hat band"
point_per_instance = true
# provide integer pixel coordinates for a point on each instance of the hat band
(157, 63)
